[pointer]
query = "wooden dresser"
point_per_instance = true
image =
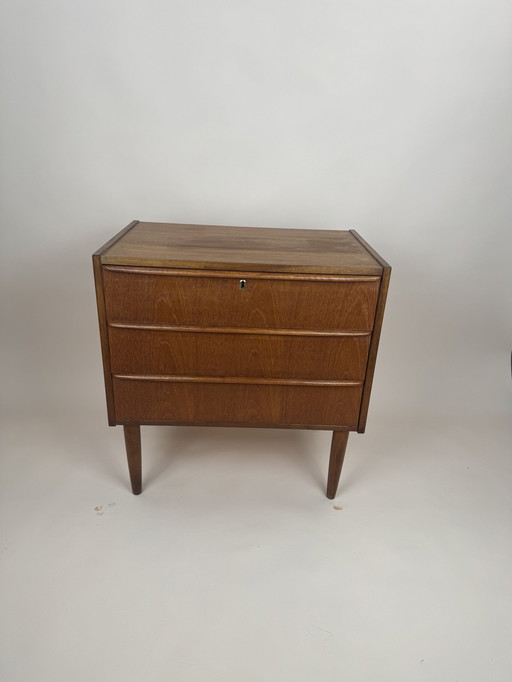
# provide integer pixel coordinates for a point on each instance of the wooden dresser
(239, 326)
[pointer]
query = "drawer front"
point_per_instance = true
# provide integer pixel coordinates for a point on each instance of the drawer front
(155, 352)
(136, 295)
(258, 404)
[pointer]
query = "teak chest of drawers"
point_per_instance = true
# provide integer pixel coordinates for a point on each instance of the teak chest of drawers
(239, 326)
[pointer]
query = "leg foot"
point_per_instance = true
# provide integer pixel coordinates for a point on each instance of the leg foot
(338, 447)
(133, 452)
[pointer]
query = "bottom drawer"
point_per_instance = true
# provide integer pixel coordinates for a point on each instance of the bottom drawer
(235, 403)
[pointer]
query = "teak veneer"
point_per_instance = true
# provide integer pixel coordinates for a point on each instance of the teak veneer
(239, 326)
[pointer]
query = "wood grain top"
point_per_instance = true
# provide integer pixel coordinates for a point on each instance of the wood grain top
(264, 249)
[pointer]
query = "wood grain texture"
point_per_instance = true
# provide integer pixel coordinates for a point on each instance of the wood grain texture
(105, 350)
(218, 247)
(135, 351)
(244, 403)
(214, 301)
(338, 448)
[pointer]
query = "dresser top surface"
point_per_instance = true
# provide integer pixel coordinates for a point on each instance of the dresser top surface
(173, 245)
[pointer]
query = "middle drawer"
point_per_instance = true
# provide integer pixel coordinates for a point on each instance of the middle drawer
(217, 354)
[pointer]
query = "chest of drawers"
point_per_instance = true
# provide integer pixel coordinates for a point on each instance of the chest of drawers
(239, 326)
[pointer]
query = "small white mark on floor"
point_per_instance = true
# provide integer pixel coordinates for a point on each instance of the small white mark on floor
(325, 636)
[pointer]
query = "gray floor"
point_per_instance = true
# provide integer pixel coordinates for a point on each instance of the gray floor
(232, 565)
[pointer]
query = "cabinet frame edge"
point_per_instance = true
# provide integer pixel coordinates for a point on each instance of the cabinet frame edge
(105, 348)
(374, 347)
(377, 327)
(103, 249)
(102, 319)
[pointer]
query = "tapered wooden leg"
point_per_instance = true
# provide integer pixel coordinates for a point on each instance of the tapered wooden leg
(338, 447)
(133, 452)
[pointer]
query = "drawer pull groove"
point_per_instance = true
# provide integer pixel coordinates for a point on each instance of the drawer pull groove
(229, 274)
(235, 380)
(236, 330)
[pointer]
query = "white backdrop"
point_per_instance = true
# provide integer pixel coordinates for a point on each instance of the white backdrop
(393, 118)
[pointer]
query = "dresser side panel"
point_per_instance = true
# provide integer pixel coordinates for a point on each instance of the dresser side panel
(105, 350)
(374, 346)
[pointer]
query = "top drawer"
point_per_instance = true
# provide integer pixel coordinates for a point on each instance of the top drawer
(215, 298)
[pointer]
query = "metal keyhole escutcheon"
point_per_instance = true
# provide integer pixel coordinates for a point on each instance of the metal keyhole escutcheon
(242, 284)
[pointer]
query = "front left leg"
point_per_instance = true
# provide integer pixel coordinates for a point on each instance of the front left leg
(133, 452)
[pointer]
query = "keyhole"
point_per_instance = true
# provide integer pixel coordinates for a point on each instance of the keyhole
(242, 284)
